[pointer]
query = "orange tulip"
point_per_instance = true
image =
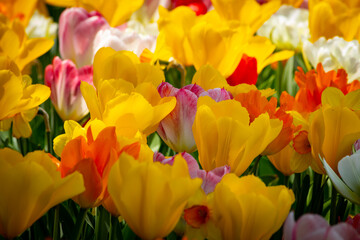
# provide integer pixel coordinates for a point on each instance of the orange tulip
(257, 104)
(312, 84)
(94, 159)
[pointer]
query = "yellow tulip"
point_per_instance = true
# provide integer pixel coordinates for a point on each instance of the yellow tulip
(224, 136)
(296, 157)
(116, 12)
(18, 9)
(15, 45)
(31, 185)
(260, 210)
(262, 49)
(197, 41)
(126, 94)
(19, 99)
(248, 12)
(125, 65)
(334, 128)
(151, 196)
(330, 18)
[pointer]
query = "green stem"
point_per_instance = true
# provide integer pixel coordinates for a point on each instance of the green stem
(56, 233)
(255, 169)
(80, 223)
(333, 206)
(45, 115)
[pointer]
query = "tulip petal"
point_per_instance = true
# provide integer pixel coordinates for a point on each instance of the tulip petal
(340, 185)
(349, 169)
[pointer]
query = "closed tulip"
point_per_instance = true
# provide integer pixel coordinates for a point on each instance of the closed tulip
(64, 80)
(176, 128)
(77, 30)
(151, 196)
(31, 185)
(224, 135)
(314, 227)
(334, 128)
(254, 202)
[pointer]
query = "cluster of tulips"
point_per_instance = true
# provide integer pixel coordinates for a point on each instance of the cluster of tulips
(180, 119)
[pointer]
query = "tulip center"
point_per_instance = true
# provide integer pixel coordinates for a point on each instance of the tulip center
(301, 143)
(197, 215)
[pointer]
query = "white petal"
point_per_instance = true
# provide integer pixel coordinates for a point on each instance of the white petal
(342, 188)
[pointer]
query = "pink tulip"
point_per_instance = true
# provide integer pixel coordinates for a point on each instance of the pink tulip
(315, 227)
(210, 179)
(176, 128)
(77, 30)
(64, 80)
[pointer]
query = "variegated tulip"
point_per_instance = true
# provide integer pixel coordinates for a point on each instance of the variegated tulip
(33, 186)
(176, 128)
(210, 178)
(314, 227)
(77, 30)
(64, 80)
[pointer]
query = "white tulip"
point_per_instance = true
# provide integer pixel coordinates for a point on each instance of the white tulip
(334, 54)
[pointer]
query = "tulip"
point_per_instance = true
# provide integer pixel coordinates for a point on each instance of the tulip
(20, 10)
(348, 185)
(354, 221)
(151, 196)
(335, 54)
(256, 15)
(334, 128)
(200, 7)
(123, 39)
(31, 185)
(64, 80)
(93, 157)
(245, 72)
(19, 103)
(125, 95)
(224, 136)
(338, 23)
(210, 178)
(41, 26)
(254, 202)
(116, 12)
(288, 28)
(256, 105)
(77, 30)
(176, 128)
(199, 217)
(200, 38)
(312, 84)
(314, 227)
(15, 44)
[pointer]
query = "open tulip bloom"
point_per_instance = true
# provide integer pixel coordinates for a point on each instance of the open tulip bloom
(180, 119)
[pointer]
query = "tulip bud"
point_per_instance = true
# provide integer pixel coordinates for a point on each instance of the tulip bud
(64, 80)
(77, 30)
